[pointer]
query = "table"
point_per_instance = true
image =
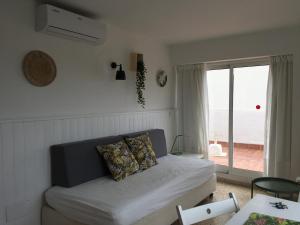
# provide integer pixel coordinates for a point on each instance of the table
(261, 204)
(275, 185)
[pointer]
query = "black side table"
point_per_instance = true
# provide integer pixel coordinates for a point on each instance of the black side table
(275, 185)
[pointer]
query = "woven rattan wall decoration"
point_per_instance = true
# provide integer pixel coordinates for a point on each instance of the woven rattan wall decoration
(39, 68)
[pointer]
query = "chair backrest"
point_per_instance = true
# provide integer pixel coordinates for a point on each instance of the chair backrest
(204, 212)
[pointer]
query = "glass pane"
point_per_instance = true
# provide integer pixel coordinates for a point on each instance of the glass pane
(249, 107)
(218, 94)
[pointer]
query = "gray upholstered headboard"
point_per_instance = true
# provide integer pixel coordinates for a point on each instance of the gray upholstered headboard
(78, 162)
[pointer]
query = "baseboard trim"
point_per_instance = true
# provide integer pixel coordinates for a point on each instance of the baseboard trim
(234, 179)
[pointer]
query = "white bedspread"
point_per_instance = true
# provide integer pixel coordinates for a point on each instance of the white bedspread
(106, 202)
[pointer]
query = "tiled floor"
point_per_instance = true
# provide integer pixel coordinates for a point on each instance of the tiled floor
(248, 158)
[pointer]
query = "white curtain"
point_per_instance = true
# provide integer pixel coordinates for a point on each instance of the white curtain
(279, 117)
(193, 107)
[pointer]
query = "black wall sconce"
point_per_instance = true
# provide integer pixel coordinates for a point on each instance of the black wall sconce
(120, 74)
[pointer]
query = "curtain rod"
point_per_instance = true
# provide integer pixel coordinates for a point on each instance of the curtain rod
(224, 61)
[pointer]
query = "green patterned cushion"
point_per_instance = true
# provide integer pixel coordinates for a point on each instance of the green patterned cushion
(119, 159)
(142, 149)
(261, 219)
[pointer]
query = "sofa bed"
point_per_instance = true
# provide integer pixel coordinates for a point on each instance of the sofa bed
(83, 192)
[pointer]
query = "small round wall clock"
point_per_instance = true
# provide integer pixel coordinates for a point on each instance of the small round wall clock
(39, 68)
(161, 78)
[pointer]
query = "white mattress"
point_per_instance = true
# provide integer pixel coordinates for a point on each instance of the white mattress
(106, 202)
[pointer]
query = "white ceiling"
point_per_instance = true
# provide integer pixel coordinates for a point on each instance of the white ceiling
(185, 20)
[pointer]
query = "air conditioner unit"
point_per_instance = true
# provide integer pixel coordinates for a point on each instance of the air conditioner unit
(53, 20)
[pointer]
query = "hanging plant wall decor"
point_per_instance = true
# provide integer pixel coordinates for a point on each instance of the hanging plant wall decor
(141, 72)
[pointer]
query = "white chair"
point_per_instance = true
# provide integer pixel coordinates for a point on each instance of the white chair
(204, 212)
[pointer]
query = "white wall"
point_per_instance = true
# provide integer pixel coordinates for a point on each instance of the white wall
(84, 101)
(85, 82)
(274, 42)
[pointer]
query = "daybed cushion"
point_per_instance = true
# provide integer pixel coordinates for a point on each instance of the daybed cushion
(141, 148)
(104, 201)
(158, 140)
(78, 162)
(119, 159)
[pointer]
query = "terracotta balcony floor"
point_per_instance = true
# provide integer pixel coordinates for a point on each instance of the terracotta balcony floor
(247, 158)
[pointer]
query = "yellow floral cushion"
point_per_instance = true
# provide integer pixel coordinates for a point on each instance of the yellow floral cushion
(141, 148)
(119, 159)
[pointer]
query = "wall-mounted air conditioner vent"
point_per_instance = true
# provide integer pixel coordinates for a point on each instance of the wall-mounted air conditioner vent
(53, 20)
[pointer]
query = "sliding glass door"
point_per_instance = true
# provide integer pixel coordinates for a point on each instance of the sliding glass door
(249, 107)
(218, 93)
(237, 98)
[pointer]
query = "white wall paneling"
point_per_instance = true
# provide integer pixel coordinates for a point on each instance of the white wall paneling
(25, 158)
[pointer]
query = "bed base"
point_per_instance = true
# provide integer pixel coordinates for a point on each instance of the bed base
(164, 216)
